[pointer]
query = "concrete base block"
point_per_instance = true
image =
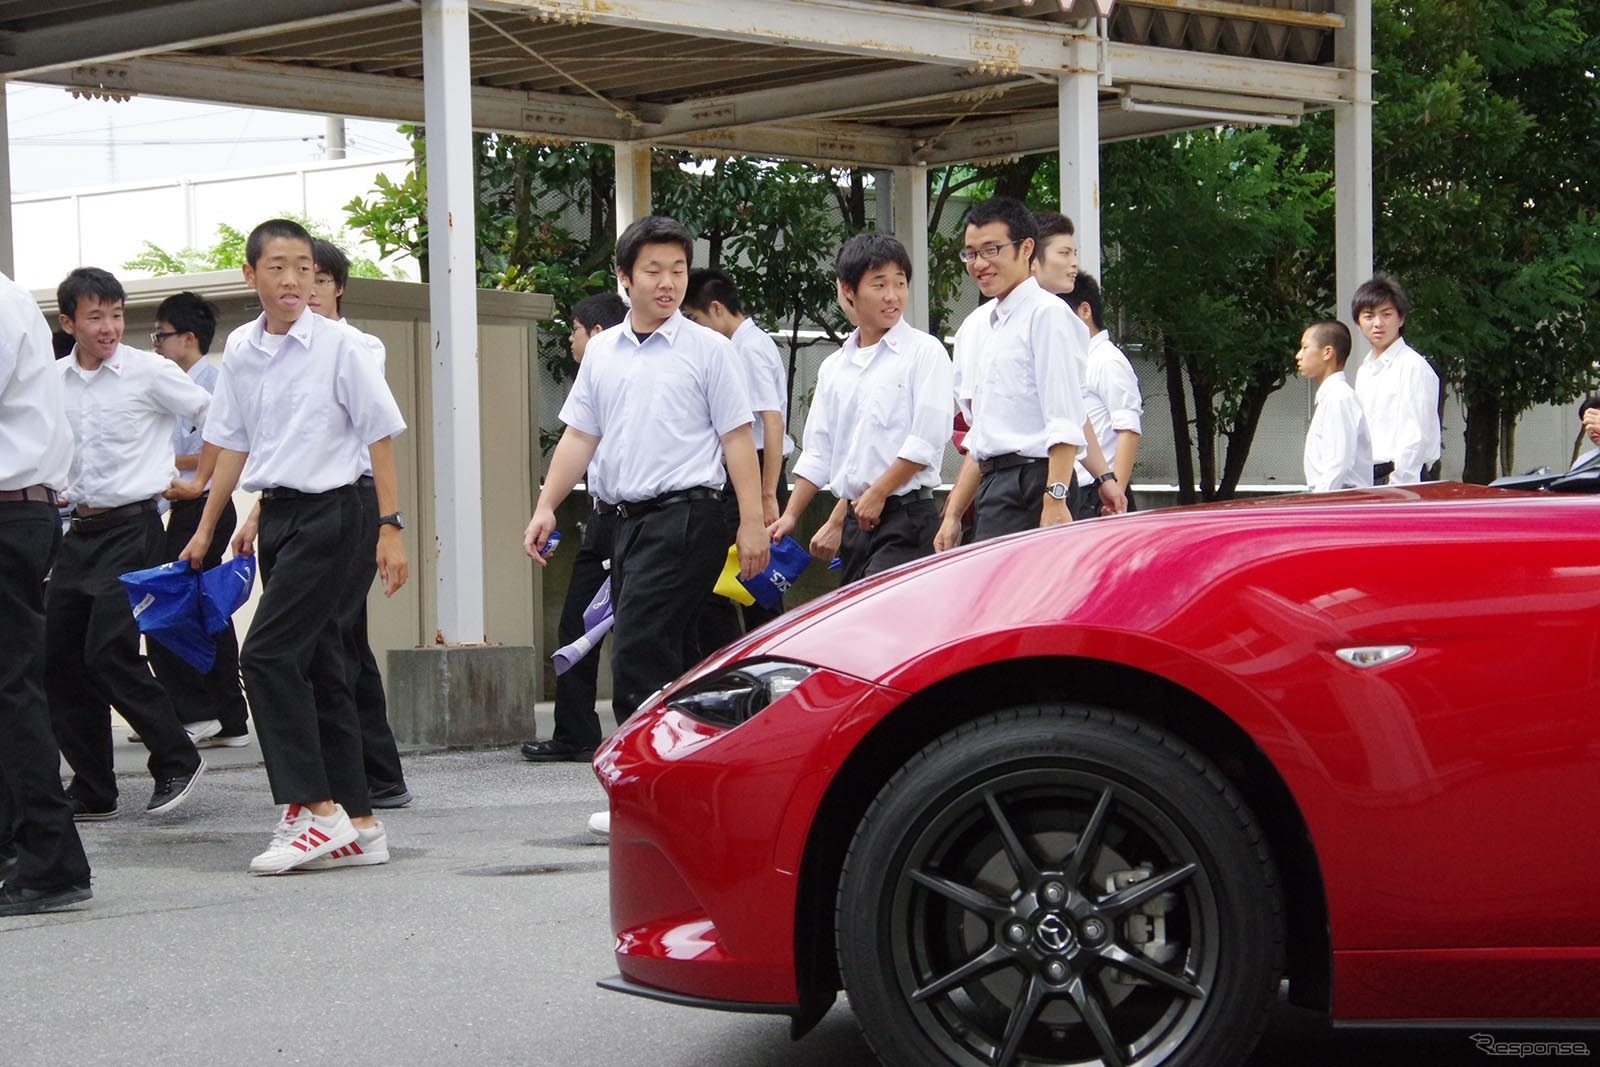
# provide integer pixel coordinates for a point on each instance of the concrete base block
(463, 696)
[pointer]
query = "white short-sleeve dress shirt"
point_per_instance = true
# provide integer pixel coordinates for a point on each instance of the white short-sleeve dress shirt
(769, 383)
(305, 404)
(1338, 444)
(1112, 397)
(381, 354)
(1027, 395)
(1400, 394)
(875, 405)
(35, 437)
(123, 415)
(659, 406)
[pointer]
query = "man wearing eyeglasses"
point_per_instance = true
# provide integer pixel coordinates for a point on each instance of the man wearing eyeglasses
(1017, 383)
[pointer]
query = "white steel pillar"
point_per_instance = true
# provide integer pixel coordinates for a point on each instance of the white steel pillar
(908, 193)
(453, 309)
(633, 183)
(1078, 116)
(1352, 154)
(8, 263)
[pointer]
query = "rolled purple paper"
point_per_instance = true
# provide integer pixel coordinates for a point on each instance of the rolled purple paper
(599, 608)
(567, 655)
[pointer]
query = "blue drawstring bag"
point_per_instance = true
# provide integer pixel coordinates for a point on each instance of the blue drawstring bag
(224, 589)
(787, 563)
(166, 605)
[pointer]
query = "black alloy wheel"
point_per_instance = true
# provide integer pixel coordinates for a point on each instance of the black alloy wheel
(1064, 886)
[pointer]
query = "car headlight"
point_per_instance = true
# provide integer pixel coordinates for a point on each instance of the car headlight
(739, 694)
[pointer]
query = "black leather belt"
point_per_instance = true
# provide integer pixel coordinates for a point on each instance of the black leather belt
(634, 508)
(366, 482)
(895, 503)
(101, 520)
(1006, 462)
(30, 494)
(278, 492)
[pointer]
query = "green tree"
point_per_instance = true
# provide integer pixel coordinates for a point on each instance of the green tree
(227, 253)
(1486, 148)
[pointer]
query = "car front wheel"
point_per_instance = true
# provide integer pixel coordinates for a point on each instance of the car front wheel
(1059, 885)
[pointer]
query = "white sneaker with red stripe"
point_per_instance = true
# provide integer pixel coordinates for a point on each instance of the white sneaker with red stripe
(370, 848)
(301, 836)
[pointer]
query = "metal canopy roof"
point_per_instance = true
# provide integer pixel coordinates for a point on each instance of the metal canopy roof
(865, 82)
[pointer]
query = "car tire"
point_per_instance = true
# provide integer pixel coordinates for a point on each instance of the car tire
(970, 930)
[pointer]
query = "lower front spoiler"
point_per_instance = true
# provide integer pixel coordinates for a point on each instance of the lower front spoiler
(618, 984)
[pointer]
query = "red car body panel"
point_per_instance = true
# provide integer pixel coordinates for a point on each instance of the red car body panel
(1450, 795)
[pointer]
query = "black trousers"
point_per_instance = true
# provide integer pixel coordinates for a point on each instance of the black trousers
(576, 721)
(92, 659)
(1084, 501)
(1011, 500)
(721, 620)
(379, 753)
(665, 561)
(35, 817)
(216, 694)
(294, 661)
(754, 614)
(904, 533)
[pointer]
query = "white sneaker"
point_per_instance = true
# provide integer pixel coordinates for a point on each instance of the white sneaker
(302, 836)
(370, 847)
(199, 731)
(600, 823)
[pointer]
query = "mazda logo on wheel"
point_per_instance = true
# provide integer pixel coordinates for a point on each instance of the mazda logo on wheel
(1053, 933)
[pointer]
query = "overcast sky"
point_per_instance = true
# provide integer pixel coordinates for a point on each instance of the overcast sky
(58, 142)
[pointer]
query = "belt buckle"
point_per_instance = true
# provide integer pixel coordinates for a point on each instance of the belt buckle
(622, 509)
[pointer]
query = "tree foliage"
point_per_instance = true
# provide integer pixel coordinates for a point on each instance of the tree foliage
(227, 253)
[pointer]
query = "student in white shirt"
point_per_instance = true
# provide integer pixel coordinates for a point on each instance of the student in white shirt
(879, 419)
(386, 781)
(122, 403)
(1338, 447)
(1023, 389)
(713, 301)
(1398, 390)
(1111, 393)
(301, 409)
(185, 325)
(42, 863)
(657, 403)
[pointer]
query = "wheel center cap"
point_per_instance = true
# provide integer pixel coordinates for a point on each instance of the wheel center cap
(1054, 933)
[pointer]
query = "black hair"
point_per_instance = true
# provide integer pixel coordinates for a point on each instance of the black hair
(1049, 224)
(1331, 332)
(1378, 290)
(329, 258)
(1014, 213)
(256, 244)
(88, 281)
(62, 342)
(706, 285)
(600, 309)
(866, 252)
(652, 229)
(1590, 401)
(1085, 290)
(188, 312)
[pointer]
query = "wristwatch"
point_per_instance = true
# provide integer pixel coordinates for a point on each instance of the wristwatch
(1108, 476)
(1056, 490)
(397, 519)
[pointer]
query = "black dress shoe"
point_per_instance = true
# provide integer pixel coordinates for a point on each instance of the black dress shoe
(552, 751)
(16, 901)
(170, 792)
(390, 796)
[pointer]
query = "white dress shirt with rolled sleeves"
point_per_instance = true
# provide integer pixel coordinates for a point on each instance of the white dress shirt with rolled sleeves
(1338, 444)
(305, 405)
(659, 407)
(374, 346)
(1111, 396)
(1400, 394)
(1028, 395)
(769, 383)
(123, 416)
(972, 336)
(186, 437)
(35, 437)
(875, 405)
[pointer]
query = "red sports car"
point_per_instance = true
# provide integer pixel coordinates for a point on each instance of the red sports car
(1091, 794)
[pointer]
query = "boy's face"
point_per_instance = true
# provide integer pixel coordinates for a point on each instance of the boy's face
(1057, 265)
(998, 264)
(166, 341)
(96, 327)
(324, 295)
(580, 338)
(847, 304)
(714, 317)
(880, 298)
(1314, 361)
(659, 280)
(1381, 325)
(282, 278)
